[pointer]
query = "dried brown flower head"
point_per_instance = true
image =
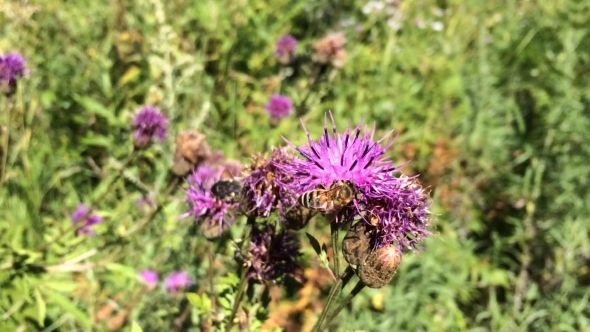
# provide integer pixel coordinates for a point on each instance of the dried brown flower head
(356, 244)
(191, 150)
(330, 49)
(380, 266)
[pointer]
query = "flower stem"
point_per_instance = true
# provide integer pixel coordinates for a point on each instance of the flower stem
(243, 278)
(211, 273)
(334, 292)
(357, 289)
(238, 299)
(335, 251)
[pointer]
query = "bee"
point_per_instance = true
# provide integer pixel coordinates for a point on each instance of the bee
(340, 194)
(227, 188)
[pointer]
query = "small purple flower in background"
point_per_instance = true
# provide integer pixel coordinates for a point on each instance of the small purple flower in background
(146, 201)
(12, 67)
(150, 277)
(150, 124)
(279, 107)
(177, 280)
(285, 49)
(272, 255)
(397, 207)
(83, 214)
(264, 188)
(204, 206)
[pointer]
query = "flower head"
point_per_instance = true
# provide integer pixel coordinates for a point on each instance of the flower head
(12, 67)
(396, 206)
(265, 186)
(285, 49)
(84, 215)
(150, 277)
(192, 149)
(150, 124)
(380, 266)
(177, 280)
(272, 255)
(330, 49)
(279, 106)
(204, 206)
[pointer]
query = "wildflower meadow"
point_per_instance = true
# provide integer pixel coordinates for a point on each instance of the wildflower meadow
(374, 165)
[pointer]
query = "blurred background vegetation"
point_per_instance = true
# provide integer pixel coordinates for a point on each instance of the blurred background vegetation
(491, 98)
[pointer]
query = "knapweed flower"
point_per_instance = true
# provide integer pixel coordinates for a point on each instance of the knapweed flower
(330, 49)
(150, 277)
(272, 255)
(264, 188)
(279, 107)
(177, 280)
(150, 124)
(84, 215)
(12, 67)
(397, 207)
(204, 206)
(191, 150)
(285, 49)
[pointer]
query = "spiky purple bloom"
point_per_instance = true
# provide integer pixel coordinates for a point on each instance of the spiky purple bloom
(150, 124)
(177, 280)
(84, 215)
(203, 205)
(279, 106)
(285, 49)
(397, 206)
(150, 277)
(264, 188)
(272, 255)
(12, 67)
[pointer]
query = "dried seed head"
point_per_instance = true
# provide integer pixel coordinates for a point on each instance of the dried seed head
(191, 150)
(356, 245)
(330, 49)
(380, 266)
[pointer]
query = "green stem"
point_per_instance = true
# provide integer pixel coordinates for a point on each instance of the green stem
(6, 140)
(335, 251)
(357, 289)
(211, 274)
(243, 278)
(238, 299)
(334, 292)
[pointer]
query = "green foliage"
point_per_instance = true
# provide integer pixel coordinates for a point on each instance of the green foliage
(493, 110)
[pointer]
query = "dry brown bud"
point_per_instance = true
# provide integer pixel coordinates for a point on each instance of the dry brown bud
(191, 150)
(357, 243)
(330, 49)
(380, 266)
(298, 217)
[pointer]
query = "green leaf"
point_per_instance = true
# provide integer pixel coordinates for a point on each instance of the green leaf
(68, 306)
(97, 108)
(314, 243)
(135, 327)
(41, 307)
(194, 299)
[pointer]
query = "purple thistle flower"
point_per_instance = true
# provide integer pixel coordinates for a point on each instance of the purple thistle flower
(177, 280)
(150, 277)
(397, 206)
(272, 255)
(12, 66)
(264, 188)
(83, 214)
(150, 124)
(204, 206)
(279, 106)
(285, 49)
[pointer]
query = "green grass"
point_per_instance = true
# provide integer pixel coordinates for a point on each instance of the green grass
(493, 110)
